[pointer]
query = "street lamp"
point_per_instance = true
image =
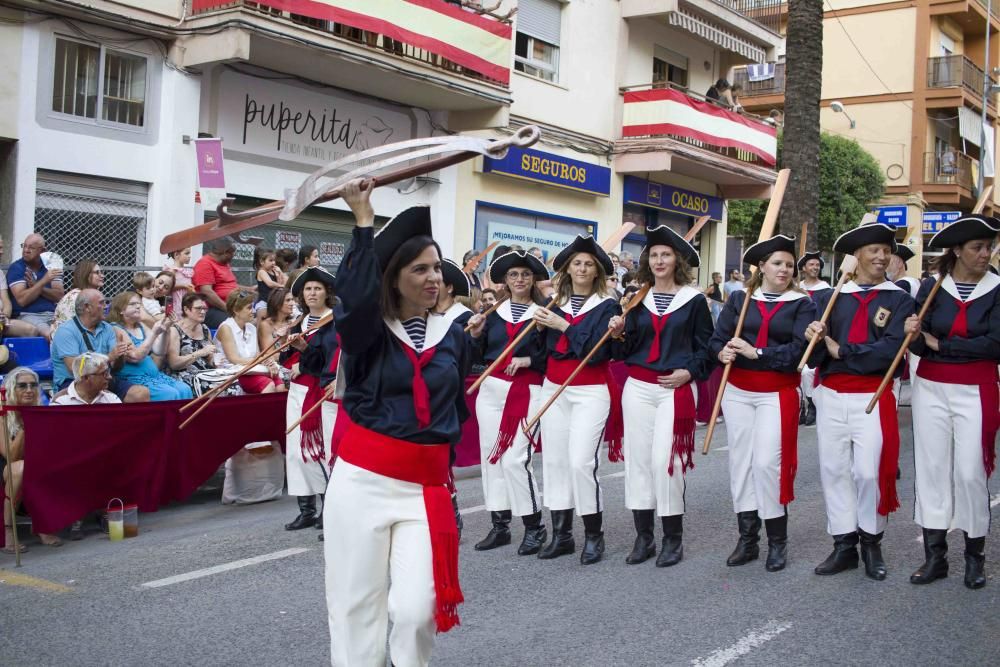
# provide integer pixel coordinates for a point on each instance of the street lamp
(838, 107)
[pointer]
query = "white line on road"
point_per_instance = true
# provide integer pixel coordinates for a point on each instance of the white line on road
(236, 564)
(994, 501)
(753, 639)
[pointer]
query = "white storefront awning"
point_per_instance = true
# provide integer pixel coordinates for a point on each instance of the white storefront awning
(727, 40)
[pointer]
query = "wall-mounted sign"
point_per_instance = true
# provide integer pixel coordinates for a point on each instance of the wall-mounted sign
(935, 221)
(210, 165)
(669, 198)
(289, 240)
(330, 254)
(552, 169)
(894, 216)
(550, 243)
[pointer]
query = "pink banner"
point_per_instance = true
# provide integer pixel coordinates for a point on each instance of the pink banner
(210, 169)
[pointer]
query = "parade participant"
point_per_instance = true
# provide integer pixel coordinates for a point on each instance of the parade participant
(390, 513)
(456, 284)
(572, 428)
(897, 271)
(313, 363)
(859, 452)
(505, 399)
(761, 403)
(955, 403)
(810, 267)
(665, 347)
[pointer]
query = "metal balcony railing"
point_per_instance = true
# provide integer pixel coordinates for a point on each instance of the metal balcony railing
(948, 168)
(765, 12)
(773, 86)
(956, 71)
(994, 7)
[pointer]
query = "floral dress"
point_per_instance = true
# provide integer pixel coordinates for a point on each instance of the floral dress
(200, 374)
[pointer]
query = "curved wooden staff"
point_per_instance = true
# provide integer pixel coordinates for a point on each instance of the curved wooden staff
(766, 232)
(887, 379)
(635, 301)
(847, 268)
(468, 327)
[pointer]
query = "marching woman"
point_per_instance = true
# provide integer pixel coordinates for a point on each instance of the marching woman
(810, 267)
(390, 513)
(955, 402)
(311, 361)
(510, 395)
(665, 348)
(761, 404)
(573, 426)
(455, 284)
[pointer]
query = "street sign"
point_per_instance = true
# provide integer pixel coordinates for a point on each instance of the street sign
(892, 215)
(935, 221)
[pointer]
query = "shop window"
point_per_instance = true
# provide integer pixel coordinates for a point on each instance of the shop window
(536, 45)
(98, 83)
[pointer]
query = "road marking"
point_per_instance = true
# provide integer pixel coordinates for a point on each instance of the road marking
(994, 501)
(752, 640)
(236, 564)
(15, 579)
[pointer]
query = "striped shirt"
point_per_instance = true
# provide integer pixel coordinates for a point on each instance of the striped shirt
(771, 296)
(662, 301)
(965, 289)
(416, 329)
(517, 310)
(576, 303)
(310, 321)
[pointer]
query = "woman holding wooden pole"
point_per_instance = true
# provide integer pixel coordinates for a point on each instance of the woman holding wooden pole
(858, 452)
(955, 398)
(572, 428)
(665, 347)
(506, 398)
(762, 402)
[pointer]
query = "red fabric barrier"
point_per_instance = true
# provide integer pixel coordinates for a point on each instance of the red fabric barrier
(467, 451)
(76, 458)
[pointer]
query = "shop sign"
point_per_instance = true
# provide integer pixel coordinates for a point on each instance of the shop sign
(673, 199)
(550, 243)
(935, 221)
(894, 216)
(290, 240)
(210, 164)
(331, 254)
(552, 169)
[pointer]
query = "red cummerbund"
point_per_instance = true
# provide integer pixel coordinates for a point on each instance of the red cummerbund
(530, 376)
(558, 370)
(399, 459)
(763, 381)
(972, 372)
(643, 374)
(846, 383)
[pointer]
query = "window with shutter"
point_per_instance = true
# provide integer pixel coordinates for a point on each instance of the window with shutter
(536, 46)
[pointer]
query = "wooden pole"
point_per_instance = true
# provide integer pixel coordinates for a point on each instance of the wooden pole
(330, 391)
(11, 489)
(847, 268)
(468, 327)
(802, 239)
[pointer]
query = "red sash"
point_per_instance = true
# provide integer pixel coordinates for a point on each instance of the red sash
(977, 373)
(558, 371)
(311, 441)
(786, 386)
(515, 409)
(682, 445)
(844, 383)
(426, 465)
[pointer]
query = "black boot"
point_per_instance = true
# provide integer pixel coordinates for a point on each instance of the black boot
(534, 535)
(307, 514)
(810, 412)
(975, 559)
(499, 534)
(672, 549)
(593, 545)
(802, 411)
(319, 515)
(871, 554)
(844, 556)
(777, 543)
(935, 557)
(644, 546)
(746, 548)
(562, 536)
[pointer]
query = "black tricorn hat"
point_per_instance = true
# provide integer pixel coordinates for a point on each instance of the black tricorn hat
(513, 259)
(312, 274)
(816, 254)
(585, 244)
(758, 251)
(966, 228)
(414, 221)
(904, 253)
(664, 235)
(864, 234)
(453, 275)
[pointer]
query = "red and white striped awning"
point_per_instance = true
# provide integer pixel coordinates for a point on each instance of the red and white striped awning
(468, 39)
(666, 111)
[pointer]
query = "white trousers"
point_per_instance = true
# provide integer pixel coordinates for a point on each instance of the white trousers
(572, 431)
(806, 384)
(753, 432)
(305, 478)
(648, 410)
(850, 447)
(948, 455)
(376, 530)
(508, 484)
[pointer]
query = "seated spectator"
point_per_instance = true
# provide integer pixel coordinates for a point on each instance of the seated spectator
(612, 283)
(236, 346)
(629, 279)
(35, 289)
(214, 280)
(144, 285)
(177, 264)
(21, 385)
(88, 332)
(190, 352)
(278, 318)
(86, 273)
(165, 281)
(308, 257)
(144, 357)
(12, 328)
(269, 276)
(284, 258)
(91, 380)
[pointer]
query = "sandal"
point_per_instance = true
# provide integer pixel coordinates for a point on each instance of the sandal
(9, 549)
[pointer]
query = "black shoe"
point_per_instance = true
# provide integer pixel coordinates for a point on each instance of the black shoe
(975, 560)
(593, 545)
(534, 535)
(777, 543)
(810, 412)
(844, 556)
(871, 554)
(562, 536)
(644, 547)
(935, 557)
(499, 534)
(746, 548)
(307, 514)
(672, 550)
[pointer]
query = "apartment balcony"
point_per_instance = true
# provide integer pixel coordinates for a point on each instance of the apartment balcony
(761, 95)
(950, 178)
(750, 29)
(670, 129)
(397, 57)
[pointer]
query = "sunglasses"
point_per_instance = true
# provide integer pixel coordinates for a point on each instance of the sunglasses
(26, 385)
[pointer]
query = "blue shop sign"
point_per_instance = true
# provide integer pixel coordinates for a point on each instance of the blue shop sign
(669, 198)
(894, 216)
(552, 170)
(935, 221)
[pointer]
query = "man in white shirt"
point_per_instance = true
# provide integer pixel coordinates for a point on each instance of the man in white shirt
(91, 374)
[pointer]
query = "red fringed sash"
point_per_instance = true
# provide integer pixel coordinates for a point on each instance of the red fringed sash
(682, 443)
(311, 441)
(515, 408)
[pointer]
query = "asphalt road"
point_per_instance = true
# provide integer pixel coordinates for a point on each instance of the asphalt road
(86, 603)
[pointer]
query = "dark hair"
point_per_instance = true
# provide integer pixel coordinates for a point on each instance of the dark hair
(275, 301)
(190, 299)
(489, 290)
(499, 251)
(722, 84)
(945, 263)
(627, 277)
(304, 253)
(405, 253)
(82, 271)
(260, 254)
(631, 289)
(682, 270)
(284, 257)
